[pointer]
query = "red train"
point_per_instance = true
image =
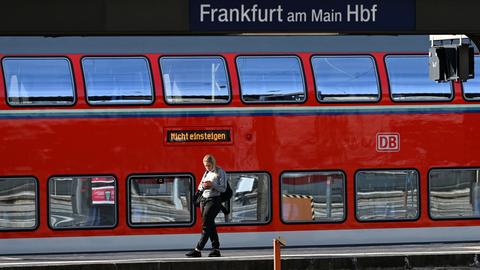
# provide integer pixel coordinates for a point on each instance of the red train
(326, 140)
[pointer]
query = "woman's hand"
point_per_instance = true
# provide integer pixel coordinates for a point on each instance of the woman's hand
(207, 184)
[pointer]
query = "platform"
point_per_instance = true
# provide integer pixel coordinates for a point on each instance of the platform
(426, 256)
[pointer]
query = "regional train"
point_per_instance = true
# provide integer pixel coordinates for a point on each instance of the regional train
(326, 140)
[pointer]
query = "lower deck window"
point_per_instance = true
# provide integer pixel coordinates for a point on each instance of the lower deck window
(160, 199)
(387, 195)
(18, 203)
(250, 202)
(82, 202)
(313, 196)
(454, 193)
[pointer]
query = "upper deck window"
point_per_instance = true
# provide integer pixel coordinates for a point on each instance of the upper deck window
(471, 88)
(38, 81)
(195, 80)
(117, 80)
(272, 79)
(409, 81)
(345, 78)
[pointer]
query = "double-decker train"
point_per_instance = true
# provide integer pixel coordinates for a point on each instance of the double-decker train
(326, 140)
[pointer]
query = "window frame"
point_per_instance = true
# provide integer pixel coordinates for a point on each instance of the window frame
(270, 198)
(419, 194)
(476, 57)
(376, 71)
(227, 73)
(390, 93)
(150, 75)
(87, 227)
(345, 199)
(302, 72)
(53, 57)
(37, 204)
(161, 225)
(428, 192)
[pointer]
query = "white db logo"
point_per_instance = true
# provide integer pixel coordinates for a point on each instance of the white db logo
(388, 142)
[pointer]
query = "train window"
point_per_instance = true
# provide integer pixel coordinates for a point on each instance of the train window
(387, 195)
(345, 78)
(82, 202)
(250, 202)
(38, 81)
(454, 193)
(195, 80)
(409, 81)
(271, 79)
(313, 196)
(160, 199)
(18, 203)
(117, 80)
(471, 88)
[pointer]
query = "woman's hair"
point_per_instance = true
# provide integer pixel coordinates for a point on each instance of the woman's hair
(210, 159)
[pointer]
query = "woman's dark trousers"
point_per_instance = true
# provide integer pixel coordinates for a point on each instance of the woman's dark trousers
(210, 208)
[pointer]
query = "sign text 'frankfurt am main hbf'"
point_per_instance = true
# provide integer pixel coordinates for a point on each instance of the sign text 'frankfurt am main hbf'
(302, 15)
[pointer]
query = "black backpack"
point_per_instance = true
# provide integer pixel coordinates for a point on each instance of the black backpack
(227, 194)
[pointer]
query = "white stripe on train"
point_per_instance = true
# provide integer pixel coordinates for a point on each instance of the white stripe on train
(239, 240)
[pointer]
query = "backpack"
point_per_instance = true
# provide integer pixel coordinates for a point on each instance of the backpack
(227, 194)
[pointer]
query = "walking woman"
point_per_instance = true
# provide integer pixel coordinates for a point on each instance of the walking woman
(212, 184)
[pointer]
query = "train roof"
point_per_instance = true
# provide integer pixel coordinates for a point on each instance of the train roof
(214, 44)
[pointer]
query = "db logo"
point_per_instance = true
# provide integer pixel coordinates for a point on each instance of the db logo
(388, 142)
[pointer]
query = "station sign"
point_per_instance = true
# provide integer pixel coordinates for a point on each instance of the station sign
(301, 15)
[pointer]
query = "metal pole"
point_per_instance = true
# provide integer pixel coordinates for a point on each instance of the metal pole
(277, 261)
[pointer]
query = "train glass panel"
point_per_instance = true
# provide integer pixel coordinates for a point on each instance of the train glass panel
(346, 78)
(471, 88)
(409, 81)
(195, 80)
(160, 200)
(454, 193)
(250, 202)
(387, 195)
(82, 202)
(117, 80)
(18, 203)
(38, 81)
(275, 79)
(310, 197)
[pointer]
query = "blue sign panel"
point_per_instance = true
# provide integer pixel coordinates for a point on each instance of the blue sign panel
(301, 15)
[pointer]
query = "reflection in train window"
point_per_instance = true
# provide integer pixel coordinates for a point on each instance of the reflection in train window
(38, 81)
(82, 202)
(18, 203)
(271, 79)
(117, 80)
(387, 195)
(454, 193)
(345, 78)
(409, 80)
(195, 80)
(313, 196)
(250, 202)
(471, 88)
(157, 199)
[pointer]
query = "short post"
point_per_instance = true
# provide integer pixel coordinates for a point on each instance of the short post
(277, 244)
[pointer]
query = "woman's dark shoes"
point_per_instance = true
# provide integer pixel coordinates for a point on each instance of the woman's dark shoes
(194, 253)
(215, 253)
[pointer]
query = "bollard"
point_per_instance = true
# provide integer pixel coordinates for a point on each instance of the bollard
(277, 244)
